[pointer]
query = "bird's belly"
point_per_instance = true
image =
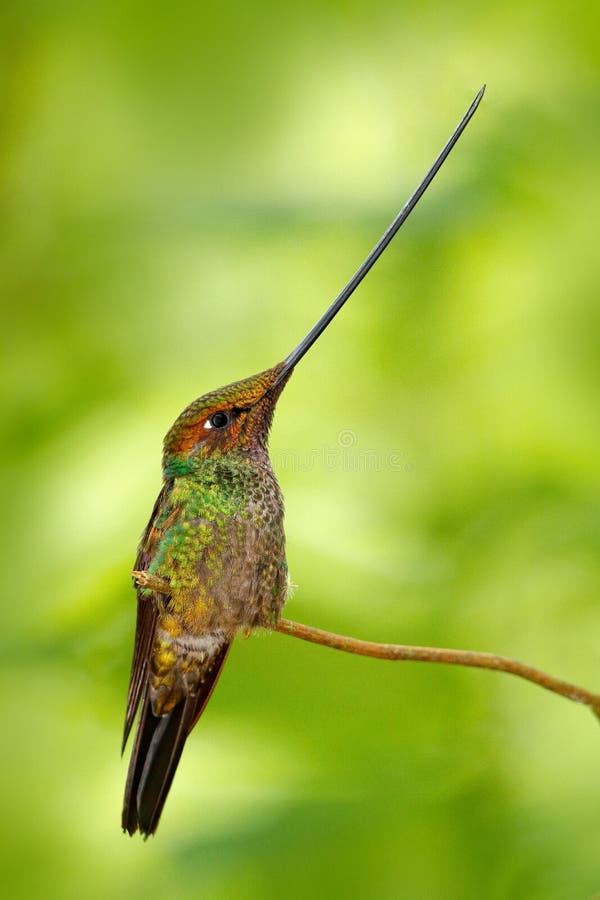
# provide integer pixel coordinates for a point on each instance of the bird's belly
(243, 596)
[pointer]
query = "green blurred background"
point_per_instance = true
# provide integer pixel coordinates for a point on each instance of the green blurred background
(184, 187)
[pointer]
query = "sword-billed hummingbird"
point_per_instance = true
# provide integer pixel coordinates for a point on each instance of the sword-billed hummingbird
(212, 562)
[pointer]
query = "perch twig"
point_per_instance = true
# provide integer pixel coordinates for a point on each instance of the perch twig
(442, 655)
(410, 652)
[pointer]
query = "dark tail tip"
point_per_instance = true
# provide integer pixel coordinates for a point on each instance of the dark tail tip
(156, 753)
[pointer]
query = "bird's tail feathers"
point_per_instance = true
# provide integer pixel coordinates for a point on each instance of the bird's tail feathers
(158, 745)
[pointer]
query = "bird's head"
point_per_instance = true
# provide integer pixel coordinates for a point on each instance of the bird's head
(232, 418)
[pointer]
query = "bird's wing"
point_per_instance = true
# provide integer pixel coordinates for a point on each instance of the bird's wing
(146, 611)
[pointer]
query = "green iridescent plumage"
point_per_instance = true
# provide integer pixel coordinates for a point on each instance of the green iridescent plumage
(215, 541)
(220, 511)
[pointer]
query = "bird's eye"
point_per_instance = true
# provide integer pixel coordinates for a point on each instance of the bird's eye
(219, 420)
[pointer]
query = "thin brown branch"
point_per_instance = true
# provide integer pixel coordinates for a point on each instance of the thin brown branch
(442, 655)
(409, 652)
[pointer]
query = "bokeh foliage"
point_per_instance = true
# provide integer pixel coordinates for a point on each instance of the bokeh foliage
(184, 186)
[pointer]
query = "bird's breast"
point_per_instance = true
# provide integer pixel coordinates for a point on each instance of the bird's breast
(224, 552)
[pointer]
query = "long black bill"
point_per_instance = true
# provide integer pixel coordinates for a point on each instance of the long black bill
(307, 342)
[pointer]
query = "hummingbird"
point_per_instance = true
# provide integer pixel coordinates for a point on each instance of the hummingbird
(211, 562)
